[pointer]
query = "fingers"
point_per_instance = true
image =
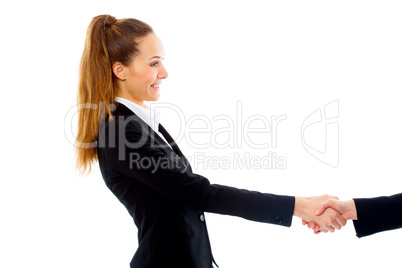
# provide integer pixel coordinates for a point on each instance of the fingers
(338, 222)
(336, 225)
(311, 225)
(341, 220)
(331, 229)
(330, 221)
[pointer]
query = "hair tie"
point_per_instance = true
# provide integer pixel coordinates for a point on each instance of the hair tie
(107, 25)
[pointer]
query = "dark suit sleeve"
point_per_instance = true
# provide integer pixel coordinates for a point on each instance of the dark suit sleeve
(378, 214)
(140, 160)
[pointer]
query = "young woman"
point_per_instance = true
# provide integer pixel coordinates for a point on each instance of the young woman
(121, 68)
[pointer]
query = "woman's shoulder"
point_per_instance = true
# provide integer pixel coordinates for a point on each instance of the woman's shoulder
(122, 124)
(122, 116)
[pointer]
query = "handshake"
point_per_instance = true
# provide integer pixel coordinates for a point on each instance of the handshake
(324, 213)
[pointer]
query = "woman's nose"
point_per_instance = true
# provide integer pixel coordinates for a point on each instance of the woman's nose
(163, 74)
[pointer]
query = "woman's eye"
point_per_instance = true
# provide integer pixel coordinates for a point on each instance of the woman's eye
(154, 63)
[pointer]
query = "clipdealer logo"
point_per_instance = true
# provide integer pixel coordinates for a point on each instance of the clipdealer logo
(320, 134)
(240, 161)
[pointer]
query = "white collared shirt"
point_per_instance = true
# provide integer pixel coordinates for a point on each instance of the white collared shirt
(152, 118)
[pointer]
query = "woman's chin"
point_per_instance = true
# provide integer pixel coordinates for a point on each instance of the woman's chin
(154, 98)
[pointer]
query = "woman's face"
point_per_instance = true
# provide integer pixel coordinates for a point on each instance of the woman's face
(144, 75)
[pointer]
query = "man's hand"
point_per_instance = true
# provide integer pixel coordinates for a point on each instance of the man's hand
(329, 220)
(346, 208)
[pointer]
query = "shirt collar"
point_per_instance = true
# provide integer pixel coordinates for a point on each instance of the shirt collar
(151, 117)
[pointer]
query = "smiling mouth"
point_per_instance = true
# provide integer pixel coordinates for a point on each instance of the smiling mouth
(155, 86)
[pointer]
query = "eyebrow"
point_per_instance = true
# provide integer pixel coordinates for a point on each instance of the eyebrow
(156, 57)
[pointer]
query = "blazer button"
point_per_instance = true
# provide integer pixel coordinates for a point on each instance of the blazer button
(278, 219)
(202, 218)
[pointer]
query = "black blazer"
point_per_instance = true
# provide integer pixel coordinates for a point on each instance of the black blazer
(378, 214)
(167, 200)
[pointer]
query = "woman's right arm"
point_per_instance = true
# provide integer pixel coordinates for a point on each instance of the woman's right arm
(136, 157)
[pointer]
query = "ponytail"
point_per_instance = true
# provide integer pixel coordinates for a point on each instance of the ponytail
(107, 41)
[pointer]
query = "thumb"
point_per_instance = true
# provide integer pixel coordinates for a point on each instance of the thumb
(322, 208)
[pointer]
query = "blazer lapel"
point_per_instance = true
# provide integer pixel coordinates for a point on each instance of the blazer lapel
(156, 140)
(172, 143)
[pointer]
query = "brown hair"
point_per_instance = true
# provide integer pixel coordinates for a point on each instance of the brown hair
(108, 41)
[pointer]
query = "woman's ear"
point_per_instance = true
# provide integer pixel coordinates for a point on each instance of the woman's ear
(119, 71)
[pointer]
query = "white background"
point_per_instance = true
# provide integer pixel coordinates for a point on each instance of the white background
(276, 57)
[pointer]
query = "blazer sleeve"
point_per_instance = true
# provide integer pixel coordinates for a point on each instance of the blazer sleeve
(138, 159)
(378, 214)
